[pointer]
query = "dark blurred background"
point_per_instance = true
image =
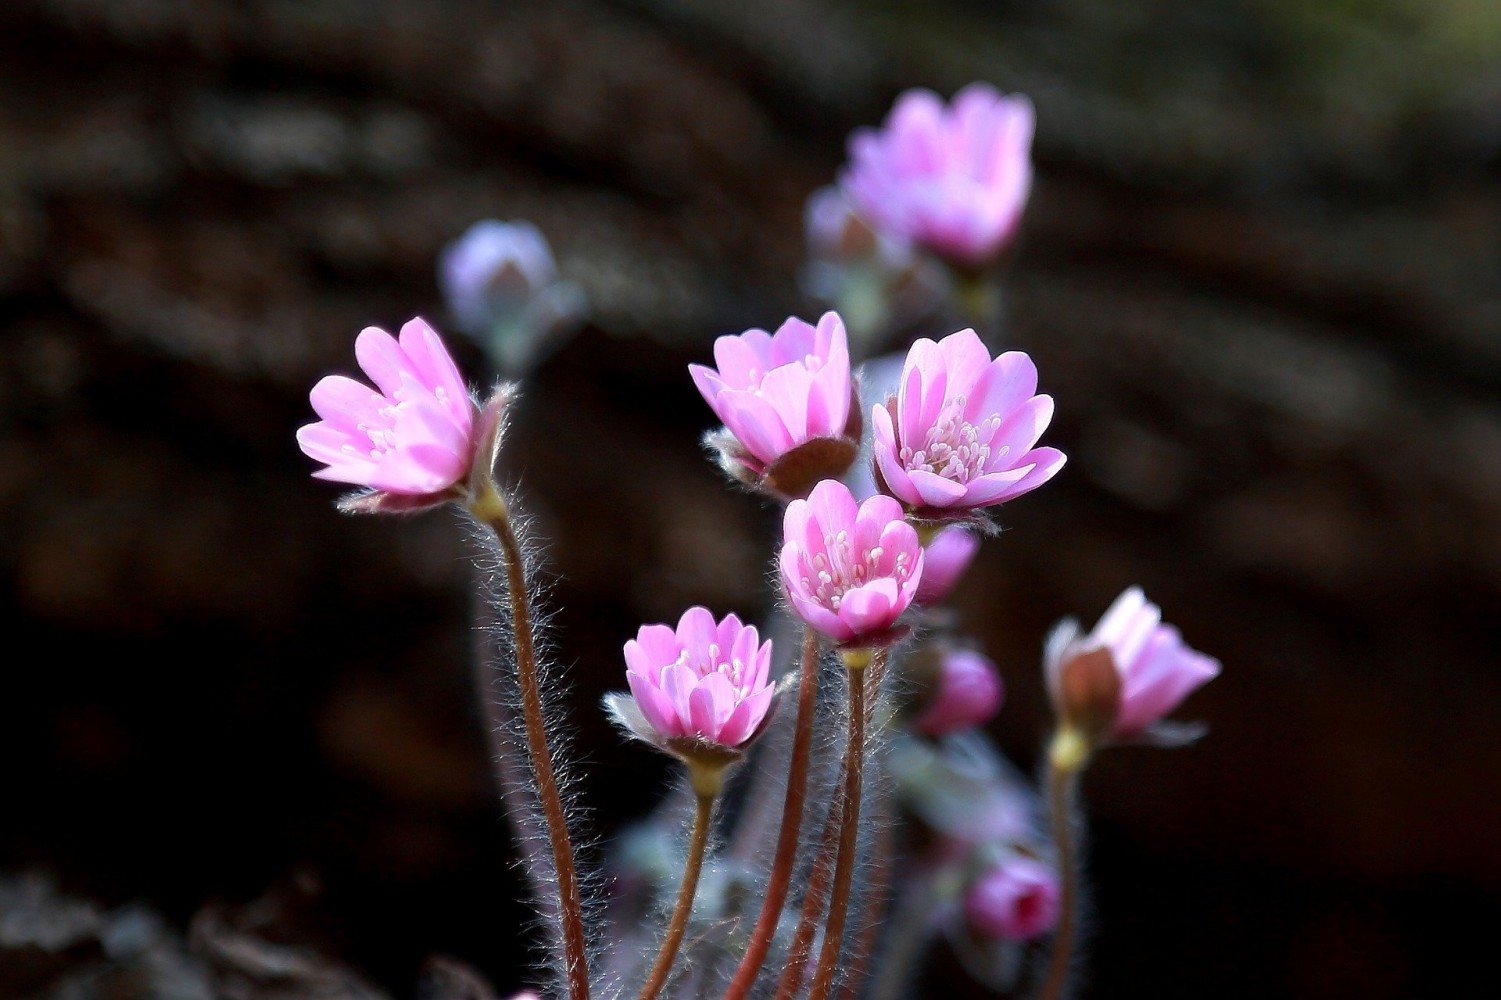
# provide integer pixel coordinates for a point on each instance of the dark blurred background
(1261, 275)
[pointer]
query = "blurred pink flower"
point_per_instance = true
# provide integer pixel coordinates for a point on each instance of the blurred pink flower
(967, 692)
(849, 570)
(954, 178)
(1015, 899)
(961, 430)
(1155, 670)
(777, 392)
(703, 682)
(494, 260)
(412, 435)
(945, 559)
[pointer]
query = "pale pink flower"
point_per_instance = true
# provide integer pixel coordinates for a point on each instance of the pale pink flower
(967, 692)
(1015, 899)
(954, 178)
(494, 263)
(778, 392)
(945, 559)
(703, 682)
(1154, 671)
(412, 435)
(961, 430)
(849, 569)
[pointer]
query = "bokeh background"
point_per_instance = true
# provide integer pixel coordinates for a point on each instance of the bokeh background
(1261, 274)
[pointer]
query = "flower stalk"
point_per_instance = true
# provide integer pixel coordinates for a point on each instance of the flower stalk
(706, 784)
(1067, 755)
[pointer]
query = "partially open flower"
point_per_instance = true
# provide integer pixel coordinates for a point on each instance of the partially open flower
(785, 400)
(701, 690)
(849, 569)
(952, 178)
(960, 432)
(412, 436)
(1117, 683)
(1015, 899)
(963, 690)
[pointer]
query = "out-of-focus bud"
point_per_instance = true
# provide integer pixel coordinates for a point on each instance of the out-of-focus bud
(1015, 899)
(946, 557)
(957, 688)
(501, 284)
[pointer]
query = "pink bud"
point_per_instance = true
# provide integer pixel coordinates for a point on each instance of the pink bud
(849, 569)
(412, 435)
(962, 429)
(967, 692)
(946, 558)
(1016, 900)
(953, 178)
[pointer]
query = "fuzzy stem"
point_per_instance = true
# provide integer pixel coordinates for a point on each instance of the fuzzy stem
(792, 818)
(844, 868)
(490, 508)
(818, 884)
(1065, 761)
(873, 900)
(697, 847)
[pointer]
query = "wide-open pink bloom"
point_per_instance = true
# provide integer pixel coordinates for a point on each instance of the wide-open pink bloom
(1156, 668)
(775, 392)
(1015, 899)
(960, 433)
(412, 434)
(952, 178)
(704, 681)
(849, 569)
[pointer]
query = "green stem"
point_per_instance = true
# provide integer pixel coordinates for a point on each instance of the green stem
(792, 817)
(1065, 761)
(697, 847)
(490, 509)
(849, 828)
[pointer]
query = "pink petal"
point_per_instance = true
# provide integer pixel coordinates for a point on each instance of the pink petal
(935, 490)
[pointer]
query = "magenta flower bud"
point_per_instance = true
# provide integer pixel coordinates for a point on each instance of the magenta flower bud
(1014, 900)
(953, 179)
(1154, 670)
(959, 434)
(849, 569)
(412, 435)
(966, 691)
(946, 558)
(785, 399)
(703, 686)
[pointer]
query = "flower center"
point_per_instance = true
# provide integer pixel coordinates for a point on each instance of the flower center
(954, 448)
(714, 661)
(842, 570)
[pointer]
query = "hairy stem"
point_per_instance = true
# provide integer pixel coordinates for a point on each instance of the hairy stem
(697, 846)
(818, 884)
(792, 818)
(1064, 765)
(490, 509)
(849, 828)
(871, 914)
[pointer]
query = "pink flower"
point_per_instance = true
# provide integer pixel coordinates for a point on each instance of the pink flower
(779, 392)
(494, 265)
(1015, 899)
(960, 432)
(1148, 672)
(412, 435)
(703, 682)
(849, 570)
(967, 692)
(954, 179)
(945, 559)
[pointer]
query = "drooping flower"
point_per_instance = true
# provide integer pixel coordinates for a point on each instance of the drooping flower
(413, 435)
(945, 559)
(965, 690)
(501, 284)
(785, 400)
(1117, 683)
(961, 430)
(953, 178)
(849, 569)
(701, 687)
(1015, 899)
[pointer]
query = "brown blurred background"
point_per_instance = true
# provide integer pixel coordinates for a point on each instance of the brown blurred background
(1261, 275)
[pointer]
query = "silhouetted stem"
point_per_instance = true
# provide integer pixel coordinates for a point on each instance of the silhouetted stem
(490, 509)
(792, 818)
(1065, 761)
(697, 846)
(849, 829)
